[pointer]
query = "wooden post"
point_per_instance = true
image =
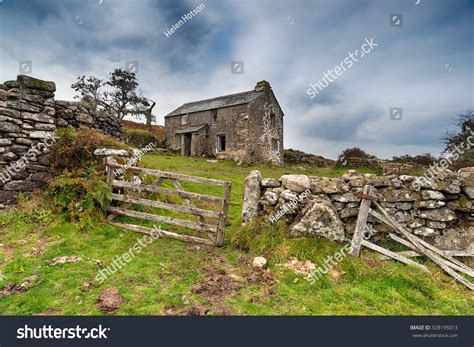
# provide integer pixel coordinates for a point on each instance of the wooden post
(361, 223)
(223, 215)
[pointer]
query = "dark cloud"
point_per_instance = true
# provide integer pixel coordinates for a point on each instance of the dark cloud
(426, 66)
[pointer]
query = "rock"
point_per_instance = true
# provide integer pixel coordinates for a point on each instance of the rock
(37, 117)
(432, 195)
(22, 186)
(405, 206)
(47, 127)
(50, 111)
(400, 195)
(34, 83)
(18, 149)
(469, 191)
(23, 105)
(460, 238)
(259, 263)
(65, 259)
(85, 118)
(435, 225)
(425, 231)
(462, 204)
(110, 300)
(8, 197)
(252, 193)
(296, 183)
(9, 112)
(430, 204)
(403, 217)
(319, 218)
(23, 141)
(288, 195)
(5, 142)
(443, 214)
(450, 187)
(9, 156)
(466, 171)
(41, 177)
(41, 134)
(348, 212)
(345, 197)
(271, 197)
(111, 152)
(417, 223)
(270, 183)
(7, 127)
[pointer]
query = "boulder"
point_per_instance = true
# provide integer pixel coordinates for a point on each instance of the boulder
(296, 183)
(318, 218)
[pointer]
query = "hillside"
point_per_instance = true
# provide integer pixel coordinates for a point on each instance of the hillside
(172, 277)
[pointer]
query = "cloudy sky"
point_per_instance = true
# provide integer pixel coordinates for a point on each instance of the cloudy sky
(424, 66)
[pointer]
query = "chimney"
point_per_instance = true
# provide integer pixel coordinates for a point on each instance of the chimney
(262, 86)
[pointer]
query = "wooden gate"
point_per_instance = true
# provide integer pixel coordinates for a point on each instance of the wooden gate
(208, 222)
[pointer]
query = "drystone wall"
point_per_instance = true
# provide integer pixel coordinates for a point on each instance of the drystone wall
(439, 209)
(71, 114)
(29, 118)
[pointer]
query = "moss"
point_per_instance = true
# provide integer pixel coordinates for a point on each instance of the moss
(35, 83)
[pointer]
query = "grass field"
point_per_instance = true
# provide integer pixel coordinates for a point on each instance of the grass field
(163, 277)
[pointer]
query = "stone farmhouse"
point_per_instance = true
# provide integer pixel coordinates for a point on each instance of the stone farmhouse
(245, 127)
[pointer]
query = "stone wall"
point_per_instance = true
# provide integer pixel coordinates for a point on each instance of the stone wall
(441, 210)
(388, 168)
(70, 114)
(29, 118)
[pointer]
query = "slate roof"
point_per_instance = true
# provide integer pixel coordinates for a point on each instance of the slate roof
(191, 129)
(214, 103)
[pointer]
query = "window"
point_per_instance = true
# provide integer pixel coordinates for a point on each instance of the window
(275, 145)
(272, 120)
(177, 141)
(184, 119)
(213, 118)
(221, 143)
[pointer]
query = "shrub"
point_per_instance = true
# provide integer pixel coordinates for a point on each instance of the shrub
(355, 152)
(75, 149)
(139, 138)
(81, 195)
(425, 159)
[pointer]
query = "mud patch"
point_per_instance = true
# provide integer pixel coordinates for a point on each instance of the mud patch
(6, 251)
(110, 300)
(185, 311)
(260, 276)
(216, 285)
(14, 288)
(371, 263)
